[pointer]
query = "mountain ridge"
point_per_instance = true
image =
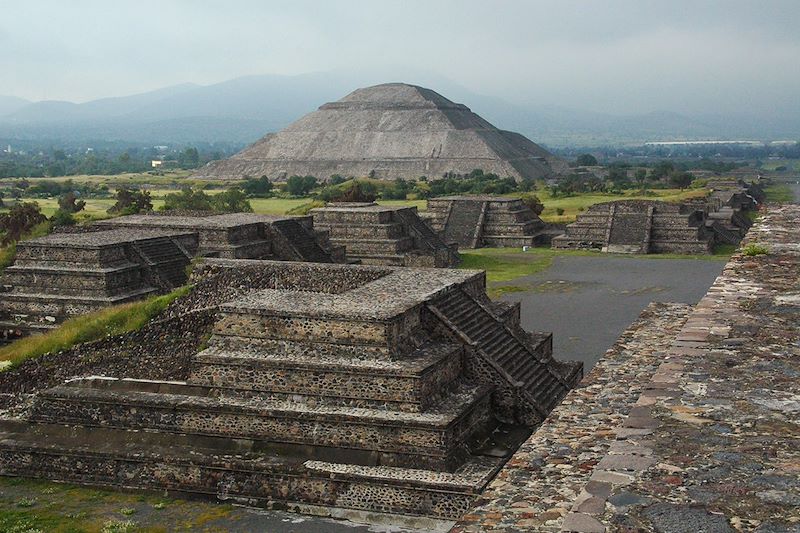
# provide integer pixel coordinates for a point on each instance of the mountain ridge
(245, 108)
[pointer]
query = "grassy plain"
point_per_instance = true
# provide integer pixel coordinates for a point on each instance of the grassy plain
(779, 193)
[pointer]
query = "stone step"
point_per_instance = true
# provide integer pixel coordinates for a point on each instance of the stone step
(356, 247)
(74, 281)
(433, 439)
(392, 230)
(234, 470)
(60, 306)
(411, 384)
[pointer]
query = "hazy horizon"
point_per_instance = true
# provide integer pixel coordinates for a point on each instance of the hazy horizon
(713, 57)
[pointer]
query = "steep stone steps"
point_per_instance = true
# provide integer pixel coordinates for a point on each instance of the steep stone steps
(525, 360)
(302, 240)
(164, 257)
(464, 223)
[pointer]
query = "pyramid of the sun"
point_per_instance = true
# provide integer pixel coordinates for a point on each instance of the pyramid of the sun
(388, 131)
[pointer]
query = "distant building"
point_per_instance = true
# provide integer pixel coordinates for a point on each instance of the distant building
(155, 163)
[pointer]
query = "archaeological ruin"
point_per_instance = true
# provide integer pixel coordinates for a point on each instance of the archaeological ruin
(383, 235)
(478, 221)
(639, 226)
(245, 235)
(389, 131)
(67, 274)
(131, 257)
(359, 388)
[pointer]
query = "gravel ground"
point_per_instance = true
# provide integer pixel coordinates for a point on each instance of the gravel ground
(587, 302)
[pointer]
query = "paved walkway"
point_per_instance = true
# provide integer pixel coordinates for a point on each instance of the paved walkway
(691, 423)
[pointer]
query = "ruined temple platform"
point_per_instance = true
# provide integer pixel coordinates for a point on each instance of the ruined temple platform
(65, 274)
(244, 235)
(356, 388)
(382, 235)
(689, 422)
(484, 220)
(640, 226)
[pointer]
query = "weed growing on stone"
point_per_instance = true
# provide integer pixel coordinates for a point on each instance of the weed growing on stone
(116, 526)
(754, 249)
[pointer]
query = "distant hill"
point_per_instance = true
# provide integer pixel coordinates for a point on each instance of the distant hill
(10, 104)
(244, 109)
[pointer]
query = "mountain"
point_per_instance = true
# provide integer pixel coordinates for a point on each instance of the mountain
(10, 104)
(244, 109)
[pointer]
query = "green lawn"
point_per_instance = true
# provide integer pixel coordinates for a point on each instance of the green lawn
(779, 193)
(572, 205)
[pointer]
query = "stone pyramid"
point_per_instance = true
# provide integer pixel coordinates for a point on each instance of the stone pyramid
(389, 131)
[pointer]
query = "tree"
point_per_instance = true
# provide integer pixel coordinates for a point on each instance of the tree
(1, 199)
(300, 185)
(130, 202)
(188, 199)
(69, 203)
(19, 220)
(189, 158)
(233, 200)
(62, 218)
(641, 177)
(586, 160)
(258, 187)
(681, 179)
(662, 169)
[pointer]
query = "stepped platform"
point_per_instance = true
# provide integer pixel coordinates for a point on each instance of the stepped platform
(67, 274)
(244, 235)
(393, 390)
(492, 221)
(382, 235)
(639, 226)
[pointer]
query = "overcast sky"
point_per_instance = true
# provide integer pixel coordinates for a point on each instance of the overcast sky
(614, 56)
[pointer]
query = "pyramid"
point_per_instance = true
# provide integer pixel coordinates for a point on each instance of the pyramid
(388, 131)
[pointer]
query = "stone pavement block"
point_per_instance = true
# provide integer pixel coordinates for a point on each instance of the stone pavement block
(582, 523)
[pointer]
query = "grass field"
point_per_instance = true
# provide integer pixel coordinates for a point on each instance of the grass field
(28, 506)
(572, 205)
(779, 193)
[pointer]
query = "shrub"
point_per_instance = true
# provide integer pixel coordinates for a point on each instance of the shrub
(753, 249)
(62, 218)
(19, 220)
(130, 202)
(300, 185)
(532, 201)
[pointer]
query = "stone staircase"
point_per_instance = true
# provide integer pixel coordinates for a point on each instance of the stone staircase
(381, 235)
(302, 241)
(723, 234)
(165, 260)
(465, 223)
(524, 361)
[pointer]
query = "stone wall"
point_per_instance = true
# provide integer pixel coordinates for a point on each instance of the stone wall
(688, 422)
